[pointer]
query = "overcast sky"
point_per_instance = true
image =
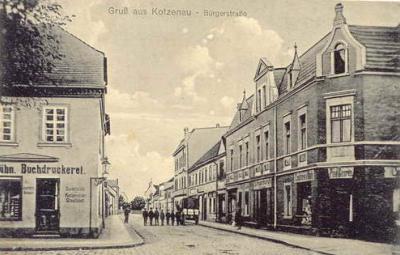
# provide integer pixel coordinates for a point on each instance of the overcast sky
(167, 73)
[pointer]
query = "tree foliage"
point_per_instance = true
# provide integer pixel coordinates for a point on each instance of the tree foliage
(29, 45)
(138, 203)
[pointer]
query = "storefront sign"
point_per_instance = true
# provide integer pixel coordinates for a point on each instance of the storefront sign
(41, 169)
(341, 172)
(75, 194)
(263, 184)
(391, 171)
(304, 176)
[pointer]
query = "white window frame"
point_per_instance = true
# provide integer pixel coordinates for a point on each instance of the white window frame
(346, 57)
(11, 121)
(302, 111)
(55, 122)
(287, 144)
(288, 205)
(336, 102)
(266, 154)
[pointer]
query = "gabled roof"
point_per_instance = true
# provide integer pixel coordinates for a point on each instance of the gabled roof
(237, 119)
(207, 157)
(382, 46)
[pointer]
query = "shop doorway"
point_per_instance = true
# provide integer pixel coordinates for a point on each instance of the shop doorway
(47, 205)
(205, 208)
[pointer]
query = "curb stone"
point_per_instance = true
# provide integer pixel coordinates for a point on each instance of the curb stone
(268, 239)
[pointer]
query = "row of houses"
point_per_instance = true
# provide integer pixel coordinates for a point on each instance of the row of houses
(315, 149)
(53, 162)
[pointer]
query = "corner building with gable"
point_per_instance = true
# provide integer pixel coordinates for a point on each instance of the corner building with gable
(316, 148)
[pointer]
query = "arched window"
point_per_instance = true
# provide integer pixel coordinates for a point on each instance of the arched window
(339, 58)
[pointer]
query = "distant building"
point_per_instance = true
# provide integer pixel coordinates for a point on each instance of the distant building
(194, 144)
(52, 157)
(203, 183)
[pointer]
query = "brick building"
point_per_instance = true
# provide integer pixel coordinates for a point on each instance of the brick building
(316, 148)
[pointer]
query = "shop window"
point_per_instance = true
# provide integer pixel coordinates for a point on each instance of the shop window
(287, 192)
(266, 140)
(55, 124)
(6, 123)
(339, 58)
(302, 132)
(258, 148)
(304, 203)
(341, 123)
(286, 137)
(10, 199)
(246, 203)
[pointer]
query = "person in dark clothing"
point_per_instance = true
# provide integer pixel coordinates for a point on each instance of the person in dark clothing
(178, 218)
(151, 216)
(156, 217)
(172, 218)
(162, 217)
(168, 216)
(145, 216)
(182, 218)
(238, 218)
(127, 211)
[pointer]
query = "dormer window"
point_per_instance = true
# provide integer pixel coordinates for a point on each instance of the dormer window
(339, 59)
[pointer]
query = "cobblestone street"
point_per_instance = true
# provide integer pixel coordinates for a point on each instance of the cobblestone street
(189, 239)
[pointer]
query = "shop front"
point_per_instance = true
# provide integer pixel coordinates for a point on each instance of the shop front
(49, 197)
(262, 194)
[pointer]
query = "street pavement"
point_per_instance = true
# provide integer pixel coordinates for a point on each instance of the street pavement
(189, 239)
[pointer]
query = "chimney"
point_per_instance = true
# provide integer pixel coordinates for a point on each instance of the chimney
(339, 18)
(217, 125)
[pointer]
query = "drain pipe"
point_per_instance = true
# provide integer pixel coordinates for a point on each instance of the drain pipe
(275, 165)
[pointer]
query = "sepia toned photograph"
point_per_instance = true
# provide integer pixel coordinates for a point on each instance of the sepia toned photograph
(254, 127)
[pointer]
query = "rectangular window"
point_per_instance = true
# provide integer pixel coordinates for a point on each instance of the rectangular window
(221, 169)
(247, 153)
(10, 199)
(206, 175)
(259, 100)
(287, 199)
(287, 138)
(55, 124)
(240, 156)
(302, 132)
(258, 148)
(210, 173)
(265, 96)
(341, 123)
(266, 140)
(6, 123)
(232, 154)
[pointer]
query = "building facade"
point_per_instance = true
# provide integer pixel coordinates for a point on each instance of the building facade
(52, 154)
(203, 183)
(194, 144)
(315, 149)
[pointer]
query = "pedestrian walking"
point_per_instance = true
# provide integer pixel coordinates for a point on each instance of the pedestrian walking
(127, 211)
(145, 216)
(172, 218)
(156, 217)
(178, 217)
(151, 216)
(182, 218)
(168, 216)
(162, 217)
(238, 218)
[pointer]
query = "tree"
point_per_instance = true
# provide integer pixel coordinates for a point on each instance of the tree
(138, 203)
(29, 45)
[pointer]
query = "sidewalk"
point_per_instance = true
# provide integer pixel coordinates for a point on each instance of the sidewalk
(115, 235)
(324, 245)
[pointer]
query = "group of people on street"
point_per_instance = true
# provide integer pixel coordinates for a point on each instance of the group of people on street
(155, 216)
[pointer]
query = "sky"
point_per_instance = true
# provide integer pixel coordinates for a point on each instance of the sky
(167, 73)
